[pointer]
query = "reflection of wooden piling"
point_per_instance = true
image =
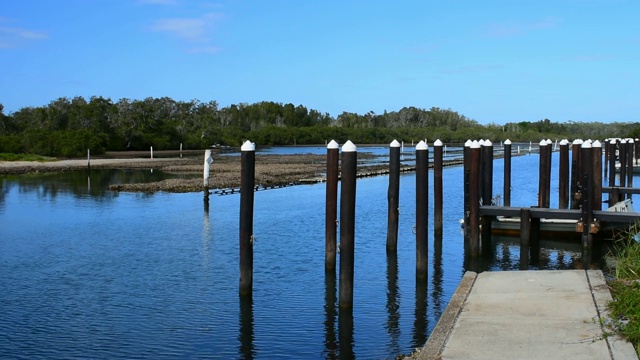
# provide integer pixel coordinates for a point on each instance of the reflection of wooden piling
(393, 194)
(563, 175)
(331, 203)
(347, 222)
(246, 337)
(247, 180)
(487, 194)
(525, 236)
(474, 199)
(437, 187)
(543, 176)
(507, 173)
(331, 312)
(422, 208)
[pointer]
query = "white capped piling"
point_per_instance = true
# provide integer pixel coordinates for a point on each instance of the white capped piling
(247, 182)
(151, 152)
(393, 194)
(89, 159)
(438, 159)
(563, 176)
(422, 208)
(543, 175)
(331, 205)
(507, 173)
(474, 199)
(208, 160)
(347, 222)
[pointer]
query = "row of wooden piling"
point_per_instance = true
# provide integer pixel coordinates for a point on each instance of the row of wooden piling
(581, 192)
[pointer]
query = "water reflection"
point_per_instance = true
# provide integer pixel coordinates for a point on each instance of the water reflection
(345, 333)
(393, 303)
(437, 289)
(246, 336)
(420, 322)
(93, 183)
(331, 313)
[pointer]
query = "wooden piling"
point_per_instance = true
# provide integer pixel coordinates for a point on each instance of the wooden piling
(630, 149)
(575, 172)
(507, 173)
(474, 200)
(393, 194)
(622, 151)
(596, 175)
(612, 165)
(422, 208)
(543, 176)
(606, 157)
(586, 210)
(525, 236)
(465, 180)
(89, 159)
(331, 206)
(437, 187)
(563, 175)
(636, 150)
(347, 222)
(247, 182)
(487, 195)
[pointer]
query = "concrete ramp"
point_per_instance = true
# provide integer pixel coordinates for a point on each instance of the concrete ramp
(527, 315)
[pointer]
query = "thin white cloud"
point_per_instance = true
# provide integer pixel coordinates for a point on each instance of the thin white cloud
(157, 2)
(508, 29)
(12, 37)
(191, 29)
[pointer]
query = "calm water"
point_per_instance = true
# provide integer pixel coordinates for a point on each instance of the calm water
(87, 273)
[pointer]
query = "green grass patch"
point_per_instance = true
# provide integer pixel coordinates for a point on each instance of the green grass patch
(25, 157)
(625, 288)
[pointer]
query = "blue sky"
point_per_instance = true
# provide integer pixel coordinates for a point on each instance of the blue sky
(493, 61)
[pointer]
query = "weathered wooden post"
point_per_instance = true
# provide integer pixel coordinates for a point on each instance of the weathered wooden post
(622, 161)
(612, 165)
(636, 151)
(422, 208)
(507, 173)
(606, 157)
(208, 160)
(474, 200)
(347, 222)
(152, 152)
(247, 181)
(550, 156)
(525, 236)
(630, 148)
(543, 176)
(466, 160)
(563, 175)
(487, 195)
(587, 210)
(575, 172)
(596, 175)
(331, 206)
(89, 159)
(393, 194)
(437, 187)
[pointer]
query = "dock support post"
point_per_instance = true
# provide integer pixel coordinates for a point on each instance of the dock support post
(422, 208)
(474, 200)
(466, 161)
(437, 187)
(606, 157)
(596, 183)
(347, 222)
(393, 194)
(247, 181)
(487, 196)
(630, 148)
(622, 149)
(331, 206)
(507, 173)
(563, 178)
(525, 236)
(208, 160)
(543, 177)
(587, 201)
(575, 172)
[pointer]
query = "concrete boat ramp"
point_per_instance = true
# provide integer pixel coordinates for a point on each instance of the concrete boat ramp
(527, 315)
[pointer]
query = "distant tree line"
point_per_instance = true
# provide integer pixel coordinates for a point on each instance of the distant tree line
(68, 127)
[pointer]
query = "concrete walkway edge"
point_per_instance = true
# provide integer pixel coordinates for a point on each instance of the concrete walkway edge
(618, 348)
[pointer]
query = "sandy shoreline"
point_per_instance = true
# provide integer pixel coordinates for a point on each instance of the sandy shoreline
(271, 170)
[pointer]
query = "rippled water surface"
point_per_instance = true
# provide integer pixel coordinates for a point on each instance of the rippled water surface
(87, 273)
